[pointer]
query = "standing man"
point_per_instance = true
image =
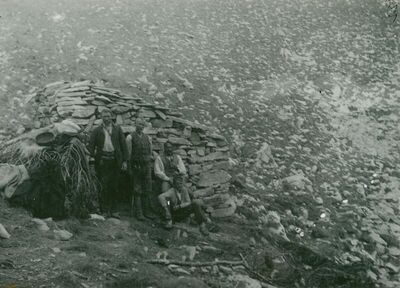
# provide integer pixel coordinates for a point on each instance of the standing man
(175, 199)
(108, 147)
(140, 161)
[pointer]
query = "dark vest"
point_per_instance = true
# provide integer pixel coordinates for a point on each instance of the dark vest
(141, 149)
(170, 166)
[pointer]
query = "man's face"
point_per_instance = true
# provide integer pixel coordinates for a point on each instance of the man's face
(139, 128)
(106, 117)
(168, 150)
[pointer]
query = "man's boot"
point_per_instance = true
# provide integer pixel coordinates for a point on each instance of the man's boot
(203, 229)
(168, 218)
(147, 208)
(138, 208)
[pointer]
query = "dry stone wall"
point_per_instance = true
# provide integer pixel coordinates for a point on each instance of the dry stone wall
(204, 151)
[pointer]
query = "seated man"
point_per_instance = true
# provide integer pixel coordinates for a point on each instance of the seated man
(169, 168)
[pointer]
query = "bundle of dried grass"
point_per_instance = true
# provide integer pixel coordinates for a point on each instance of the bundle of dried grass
(81, 184)
(77, 181)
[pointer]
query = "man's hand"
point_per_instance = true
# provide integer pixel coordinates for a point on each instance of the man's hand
(124, 166)
(184, 205)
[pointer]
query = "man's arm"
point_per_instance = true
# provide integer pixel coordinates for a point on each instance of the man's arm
(123, 145)
(159, 169)
(150, 147)
(181, 166)
(92, 142)
(129, 145)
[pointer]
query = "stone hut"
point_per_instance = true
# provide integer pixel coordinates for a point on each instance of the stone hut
(204, 151)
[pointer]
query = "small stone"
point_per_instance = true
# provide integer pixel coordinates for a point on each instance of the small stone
(114, 221)
(244, 281)
(374, 237)
(103, 99)
(394, 251)
(159, 96)
(41, 225)
(3, 232)
(62, 235)
(187, 131)
(56, 250)
(393, 268)
(219, 199)
(319, 200)
(184, 281)
(195, 138)
(224, 212)
(264, 155)
(192, 252)
(97, 217)
(297, 182)
(120, 110)
(201, 151)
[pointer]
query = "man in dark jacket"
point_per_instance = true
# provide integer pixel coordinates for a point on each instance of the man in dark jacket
(141, 165)
(108, 147)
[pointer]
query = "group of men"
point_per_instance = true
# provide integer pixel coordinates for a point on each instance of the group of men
(113, 153)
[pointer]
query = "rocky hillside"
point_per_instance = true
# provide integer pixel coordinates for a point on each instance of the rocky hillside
(305, 91)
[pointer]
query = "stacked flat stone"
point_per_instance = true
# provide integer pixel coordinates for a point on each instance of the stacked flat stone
(205, 153)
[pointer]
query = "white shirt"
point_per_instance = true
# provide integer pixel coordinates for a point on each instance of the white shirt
(159, 169)
(108, 146)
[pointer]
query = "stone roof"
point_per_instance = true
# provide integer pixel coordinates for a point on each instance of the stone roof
(204, 151)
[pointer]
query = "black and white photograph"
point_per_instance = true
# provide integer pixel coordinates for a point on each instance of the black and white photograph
(199, 144)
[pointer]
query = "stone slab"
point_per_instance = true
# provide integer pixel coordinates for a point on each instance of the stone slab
(213, 178)
(85, 113)
(72, 94)
(210, 157)
(76, 89)
(226, 211)
(179, 141)
(189, 123)
(161, 115)
(200, 193)
(102, 99)
(216, 200)
(145, 113)
(195, 169)
(159, 123)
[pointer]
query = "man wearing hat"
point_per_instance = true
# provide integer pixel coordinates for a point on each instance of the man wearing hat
(108, 147)
(141, 165)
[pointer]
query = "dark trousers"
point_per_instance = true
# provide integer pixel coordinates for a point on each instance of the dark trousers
(108, 174)
(195, 208)
(143, 198)
(142, 182)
